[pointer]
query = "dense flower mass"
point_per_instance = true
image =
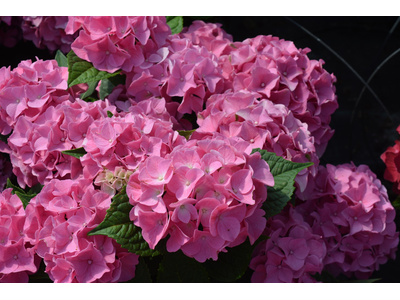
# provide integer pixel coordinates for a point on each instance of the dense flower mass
(208, 35)
(292, 253)
(57, 223)
(206, 195)
(122, 143)
(48, 32)
(17, 257)
(36, 146)
(280, 72)
(350, 209)
(29, 89)
(263, 124)
(176, 131)
(113, 43)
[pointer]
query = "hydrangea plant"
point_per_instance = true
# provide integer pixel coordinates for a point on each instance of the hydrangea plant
(149, 143)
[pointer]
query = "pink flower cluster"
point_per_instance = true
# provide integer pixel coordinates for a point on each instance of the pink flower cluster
(206, 194)
(277, 70)
(187, 71)
(280, 72)
(113, 43)
(291, 254)
(208, 35)
(17, 257)
(29, 89)
(263, 124)
(203, 194)
(48, 32)
(349, 208)
(58, 220)
(36, 145)
(180, 70)
(127, 140)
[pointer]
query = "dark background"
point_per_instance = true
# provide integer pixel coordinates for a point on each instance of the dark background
(364, 43)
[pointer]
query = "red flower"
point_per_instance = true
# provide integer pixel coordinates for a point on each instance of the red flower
(391, 158)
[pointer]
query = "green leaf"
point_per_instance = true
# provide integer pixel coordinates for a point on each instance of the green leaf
(81, 71)
(142, 273)
(109, 114)
(108, 84)
(14, 187)
(118, 226)
(284, 173)
(61, 59)
(25, 197)
(230, 265)
(77, 153)
(176, 267)
(35, 189)
(92, 87)
(175, 23)
(396, 203)
(186, 133)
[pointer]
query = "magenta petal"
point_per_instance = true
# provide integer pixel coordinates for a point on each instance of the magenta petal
(285, 274)
(294, 262)
(228, 228)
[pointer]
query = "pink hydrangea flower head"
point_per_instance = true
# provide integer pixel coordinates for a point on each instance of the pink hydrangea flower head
(285, 75)
(60, 217)
(353, 199)
(292, 252)
(208, 35)
(48, 32)
(16, 255)
(263, 124)
(29, 89)
(211, 200)
(36, 146)
(113, 43)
